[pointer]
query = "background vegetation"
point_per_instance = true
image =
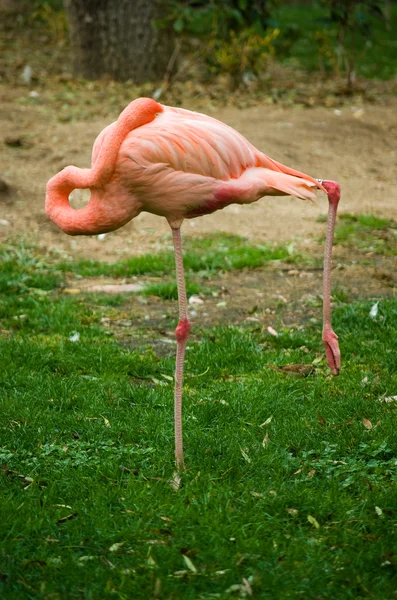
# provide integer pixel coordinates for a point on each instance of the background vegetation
(264, 46)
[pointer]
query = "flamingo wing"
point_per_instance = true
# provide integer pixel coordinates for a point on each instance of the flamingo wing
(184, 163)
(191, 143)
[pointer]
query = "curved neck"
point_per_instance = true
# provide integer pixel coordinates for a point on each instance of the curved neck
(83, 221)
(137, 113)
(95, 217)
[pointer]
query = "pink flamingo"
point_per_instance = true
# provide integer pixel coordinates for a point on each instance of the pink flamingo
(180, 164)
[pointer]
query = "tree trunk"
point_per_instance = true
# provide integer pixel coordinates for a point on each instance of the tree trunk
(118, 38)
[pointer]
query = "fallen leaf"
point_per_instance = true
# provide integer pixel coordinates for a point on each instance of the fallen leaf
(297, 472)
(247, 586)
(167, 377)
(195, 300)
(86, 558)
(321, 419)
(367, 423)
(223, 572)
(297, 370)
(265, 441)
(272, 331)
(74, 337)
(388, 399)
(175, 482)
(374, 310)
(245, 455)
(379, 511)
(292, 511)
(116, 546)
(189, 564)
(269, 420)
(317, 360)
(311, 473)
(313, 522)
(68, 518)
(107, 562)
(157, 587)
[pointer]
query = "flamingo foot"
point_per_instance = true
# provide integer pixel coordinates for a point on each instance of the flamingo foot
(331, 345)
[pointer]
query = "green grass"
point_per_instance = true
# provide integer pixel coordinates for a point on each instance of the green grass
(308, 42)
(367, 233)
(291, 483)
(168, 290)
(218, 252)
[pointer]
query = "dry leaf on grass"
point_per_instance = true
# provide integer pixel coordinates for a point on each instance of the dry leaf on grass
(313, 521)
(116, 546)
(292, 511)
(297, 370)
(67, 518)
(245, 455)
(175, 482)
(256, 494)
(388, 399)
(189, 564)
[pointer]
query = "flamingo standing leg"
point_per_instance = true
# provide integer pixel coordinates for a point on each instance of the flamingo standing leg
(181, 334)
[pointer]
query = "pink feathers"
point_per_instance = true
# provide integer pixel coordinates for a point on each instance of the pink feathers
(171, 162)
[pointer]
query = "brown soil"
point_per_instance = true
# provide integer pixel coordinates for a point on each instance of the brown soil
(355, 145)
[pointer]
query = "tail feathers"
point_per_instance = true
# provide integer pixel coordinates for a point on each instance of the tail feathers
(273, 165)
(291, 185)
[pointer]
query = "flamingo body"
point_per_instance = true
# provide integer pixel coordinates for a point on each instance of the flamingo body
(180, 164)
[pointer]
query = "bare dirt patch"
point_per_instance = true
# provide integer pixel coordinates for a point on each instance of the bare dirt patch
(277, 296)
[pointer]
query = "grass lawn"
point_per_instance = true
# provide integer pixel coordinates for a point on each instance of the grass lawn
(291, 482)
